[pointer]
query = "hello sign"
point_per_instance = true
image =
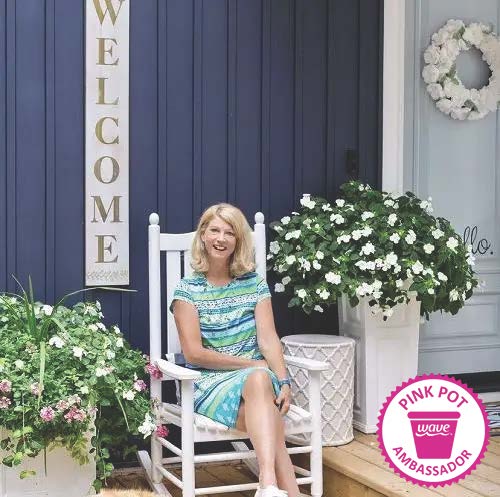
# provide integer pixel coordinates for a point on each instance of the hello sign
(107, 143)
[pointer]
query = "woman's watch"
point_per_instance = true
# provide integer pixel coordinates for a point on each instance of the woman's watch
(285, 381)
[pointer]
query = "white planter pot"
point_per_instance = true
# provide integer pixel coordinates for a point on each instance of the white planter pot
(386, 354)
(64, 478)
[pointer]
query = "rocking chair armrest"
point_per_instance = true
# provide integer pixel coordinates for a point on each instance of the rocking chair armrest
(176, 372)
(307, 364)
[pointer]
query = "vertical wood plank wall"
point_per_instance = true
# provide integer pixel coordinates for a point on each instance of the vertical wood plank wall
(251, 102)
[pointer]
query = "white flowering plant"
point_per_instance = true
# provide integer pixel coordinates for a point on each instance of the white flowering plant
(440, 73)
(64, 378)
(370, 244)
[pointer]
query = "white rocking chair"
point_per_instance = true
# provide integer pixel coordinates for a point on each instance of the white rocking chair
(198, 428)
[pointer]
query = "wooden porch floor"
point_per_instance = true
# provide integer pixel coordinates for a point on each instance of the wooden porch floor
(353, 470)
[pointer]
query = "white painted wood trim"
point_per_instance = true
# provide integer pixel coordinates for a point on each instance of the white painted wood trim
(307, 364)
(393, 96)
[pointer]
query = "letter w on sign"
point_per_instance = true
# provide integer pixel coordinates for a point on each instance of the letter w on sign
(109, 7)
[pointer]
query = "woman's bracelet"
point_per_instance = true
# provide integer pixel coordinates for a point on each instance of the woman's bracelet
(285, 381)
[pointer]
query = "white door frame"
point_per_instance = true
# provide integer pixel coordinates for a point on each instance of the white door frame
(393, 84)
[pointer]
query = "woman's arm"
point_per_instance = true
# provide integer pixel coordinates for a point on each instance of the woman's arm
(188, 326)
(270, 347)
(268, 340)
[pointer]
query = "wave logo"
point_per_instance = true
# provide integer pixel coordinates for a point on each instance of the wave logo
(434, 433)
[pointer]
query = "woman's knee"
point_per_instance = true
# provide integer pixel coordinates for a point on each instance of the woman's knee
(258, 381)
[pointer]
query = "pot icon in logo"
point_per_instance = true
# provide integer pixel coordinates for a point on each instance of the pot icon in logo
(434, 433)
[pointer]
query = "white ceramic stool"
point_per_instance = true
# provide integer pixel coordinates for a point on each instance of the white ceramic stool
(337, 383)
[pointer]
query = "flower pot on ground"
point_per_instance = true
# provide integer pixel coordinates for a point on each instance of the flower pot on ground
(381, 248)
(63, 373)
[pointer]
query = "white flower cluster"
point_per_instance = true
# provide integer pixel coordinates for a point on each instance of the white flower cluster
(439, 73)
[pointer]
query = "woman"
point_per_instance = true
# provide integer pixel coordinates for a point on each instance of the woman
(226, 327)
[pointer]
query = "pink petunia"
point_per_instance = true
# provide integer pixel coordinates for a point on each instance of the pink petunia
(4, 402)
(62, 405)
(154, 371)
(139, 385)
(162, 431)
(47, 414)
(35, 389)
(5, 386)
(75, 414)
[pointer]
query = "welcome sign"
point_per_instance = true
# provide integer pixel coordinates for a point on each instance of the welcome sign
(106, 143)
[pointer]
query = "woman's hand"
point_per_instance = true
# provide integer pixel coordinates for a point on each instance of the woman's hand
(283, 399)
(261, 363)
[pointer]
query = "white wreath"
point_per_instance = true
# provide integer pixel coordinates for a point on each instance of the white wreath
(443, 82)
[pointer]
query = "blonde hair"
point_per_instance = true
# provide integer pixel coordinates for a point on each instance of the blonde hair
(242, 259)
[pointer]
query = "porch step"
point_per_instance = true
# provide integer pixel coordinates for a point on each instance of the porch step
(358, 469)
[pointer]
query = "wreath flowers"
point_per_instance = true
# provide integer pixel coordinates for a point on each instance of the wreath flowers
(444, 84)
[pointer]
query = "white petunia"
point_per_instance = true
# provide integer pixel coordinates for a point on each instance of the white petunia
(361, 265)
(389, 202)
(316, 264)
(442, 276)
(307, 202)
(356, 234)
(428, 248)
(57, 342)
(128, 395)
(454, 295)
(364, 289)
(274, 247)
(147, 427)
(320, 255)
(340, 202)
(279, 287)
(417, 267)
(367, 249)
(326, 207)
(78, 352)
(437, 233)
(19, 364)
(302, 294)
(333, 278)
(101, 372)
(366, 231)
(410, 238)
(452, 243)
(286, 280)
(110, 354)
(93, 327)
(337, 219)
(324, 294)
(468, 285)
(391, 259)
(367, 215)
(343, 238)
(285, 220)
(370, 265)
(290, 259)
(391, 220)
(318, 308)
(116, 329)
(399, 283)
(47, 309)
(394, 238)
(119, 342)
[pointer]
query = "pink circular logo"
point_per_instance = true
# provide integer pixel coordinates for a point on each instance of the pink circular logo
(433, 430)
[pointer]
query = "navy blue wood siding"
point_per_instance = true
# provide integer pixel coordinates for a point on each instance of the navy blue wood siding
(248, 101)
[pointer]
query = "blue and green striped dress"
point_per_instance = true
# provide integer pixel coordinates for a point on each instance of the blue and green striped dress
(227, 325)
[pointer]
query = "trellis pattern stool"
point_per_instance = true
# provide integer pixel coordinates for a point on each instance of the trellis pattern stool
(336, 385)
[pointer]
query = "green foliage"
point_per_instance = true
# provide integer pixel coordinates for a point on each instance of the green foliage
(67, 380)
(371, 244)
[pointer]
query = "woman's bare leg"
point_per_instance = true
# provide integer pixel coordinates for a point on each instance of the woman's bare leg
(283, 467)
(260, 423)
